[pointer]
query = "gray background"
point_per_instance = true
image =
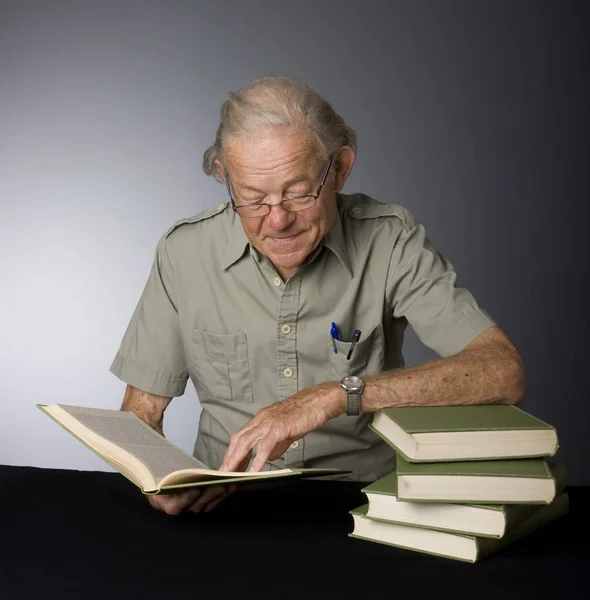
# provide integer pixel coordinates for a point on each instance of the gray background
(473, 115)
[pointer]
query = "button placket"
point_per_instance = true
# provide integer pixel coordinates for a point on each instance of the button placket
(288, 310)
(287, 338)
(294, 455)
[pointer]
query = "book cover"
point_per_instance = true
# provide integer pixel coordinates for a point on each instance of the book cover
(466, 548)
(492, 417)
(484, 520)
(522, 467)
(449, 433)
(518, 481)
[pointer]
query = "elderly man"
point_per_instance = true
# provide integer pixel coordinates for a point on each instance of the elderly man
(258, 299)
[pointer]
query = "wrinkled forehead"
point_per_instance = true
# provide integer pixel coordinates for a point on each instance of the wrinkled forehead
(270, 151)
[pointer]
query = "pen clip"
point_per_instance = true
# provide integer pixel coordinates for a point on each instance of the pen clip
(355, 338)
(334, 331)
(335, 336)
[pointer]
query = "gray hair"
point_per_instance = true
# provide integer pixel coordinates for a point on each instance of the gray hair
(278, 101)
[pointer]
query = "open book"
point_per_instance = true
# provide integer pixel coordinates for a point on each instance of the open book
(147, 458)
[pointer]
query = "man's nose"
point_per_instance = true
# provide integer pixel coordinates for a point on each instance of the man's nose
(279, 218)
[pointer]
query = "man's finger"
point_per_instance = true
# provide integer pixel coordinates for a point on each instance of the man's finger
(244, 464)
(241, 466)
(210, 493)
(176, 503)
(219, 500)
(280, 449)
(263, 451)
(239, 451)
(238, 435)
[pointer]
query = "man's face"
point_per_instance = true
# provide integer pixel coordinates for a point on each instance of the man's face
(272, 166)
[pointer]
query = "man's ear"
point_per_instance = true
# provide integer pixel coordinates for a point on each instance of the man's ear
(220, 170)
(343, 163)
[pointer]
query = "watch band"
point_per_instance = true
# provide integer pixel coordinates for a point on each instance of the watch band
(353, 403)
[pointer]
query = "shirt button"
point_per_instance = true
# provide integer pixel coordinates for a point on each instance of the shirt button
(220, 205)
(278, 281)
(356, 210)
(287, 372)
(294, 445)
(286, 329)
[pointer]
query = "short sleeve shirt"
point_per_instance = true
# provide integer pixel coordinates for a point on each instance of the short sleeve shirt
(215, 310)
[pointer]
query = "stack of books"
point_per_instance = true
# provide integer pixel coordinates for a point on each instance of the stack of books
(468, 481)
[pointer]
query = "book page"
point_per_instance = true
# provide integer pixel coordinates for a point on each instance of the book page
(129, 432)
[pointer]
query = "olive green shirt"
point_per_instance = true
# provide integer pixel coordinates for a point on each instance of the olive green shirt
(215, 310)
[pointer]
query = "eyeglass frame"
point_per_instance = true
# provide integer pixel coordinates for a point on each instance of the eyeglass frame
(314, 196)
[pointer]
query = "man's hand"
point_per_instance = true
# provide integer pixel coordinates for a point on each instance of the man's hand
(198, 498)
(277, 426)
(193, 499)
(150, 408)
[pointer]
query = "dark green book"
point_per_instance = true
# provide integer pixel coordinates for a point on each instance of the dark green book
(483, 520)
(520, 481)
(466, 548)
(451, 433)
(147, 458)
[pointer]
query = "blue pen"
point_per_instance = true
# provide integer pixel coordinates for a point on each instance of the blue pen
(355, 338)
(335, 336)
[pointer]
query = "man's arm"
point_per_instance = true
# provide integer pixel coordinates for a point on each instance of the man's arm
(148, 407)
(488, 370)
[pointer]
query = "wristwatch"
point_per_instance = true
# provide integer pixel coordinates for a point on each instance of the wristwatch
(353, 386)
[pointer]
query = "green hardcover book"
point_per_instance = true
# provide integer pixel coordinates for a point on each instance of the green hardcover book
(451, 433)
(520, 481)
(148, 459)
(466, 548)
(482, 520)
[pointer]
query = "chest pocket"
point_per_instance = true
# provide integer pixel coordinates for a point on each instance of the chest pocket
(221, 367)
(366, 358)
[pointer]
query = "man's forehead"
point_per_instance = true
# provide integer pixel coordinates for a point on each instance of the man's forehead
(290, 162)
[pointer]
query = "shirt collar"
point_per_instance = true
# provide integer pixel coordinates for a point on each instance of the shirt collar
(333, 241)
(236, 245)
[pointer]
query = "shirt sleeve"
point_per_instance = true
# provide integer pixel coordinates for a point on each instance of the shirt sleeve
(151, 355)
(445, 316)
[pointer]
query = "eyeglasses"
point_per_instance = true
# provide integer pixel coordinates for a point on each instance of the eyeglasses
(261, 209)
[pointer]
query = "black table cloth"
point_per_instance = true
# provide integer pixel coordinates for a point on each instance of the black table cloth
(84, 535)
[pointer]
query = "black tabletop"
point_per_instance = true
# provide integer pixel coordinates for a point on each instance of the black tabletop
(71, 534)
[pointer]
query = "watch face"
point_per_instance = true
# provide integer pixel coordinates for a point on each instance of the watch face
(353, 383)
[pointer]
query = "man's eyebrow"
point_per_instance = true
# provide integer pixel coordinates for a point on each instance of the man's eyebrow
(287, 184)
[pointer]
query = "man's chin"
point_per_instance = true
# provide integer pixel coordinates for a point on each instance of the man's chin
(287, 261)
